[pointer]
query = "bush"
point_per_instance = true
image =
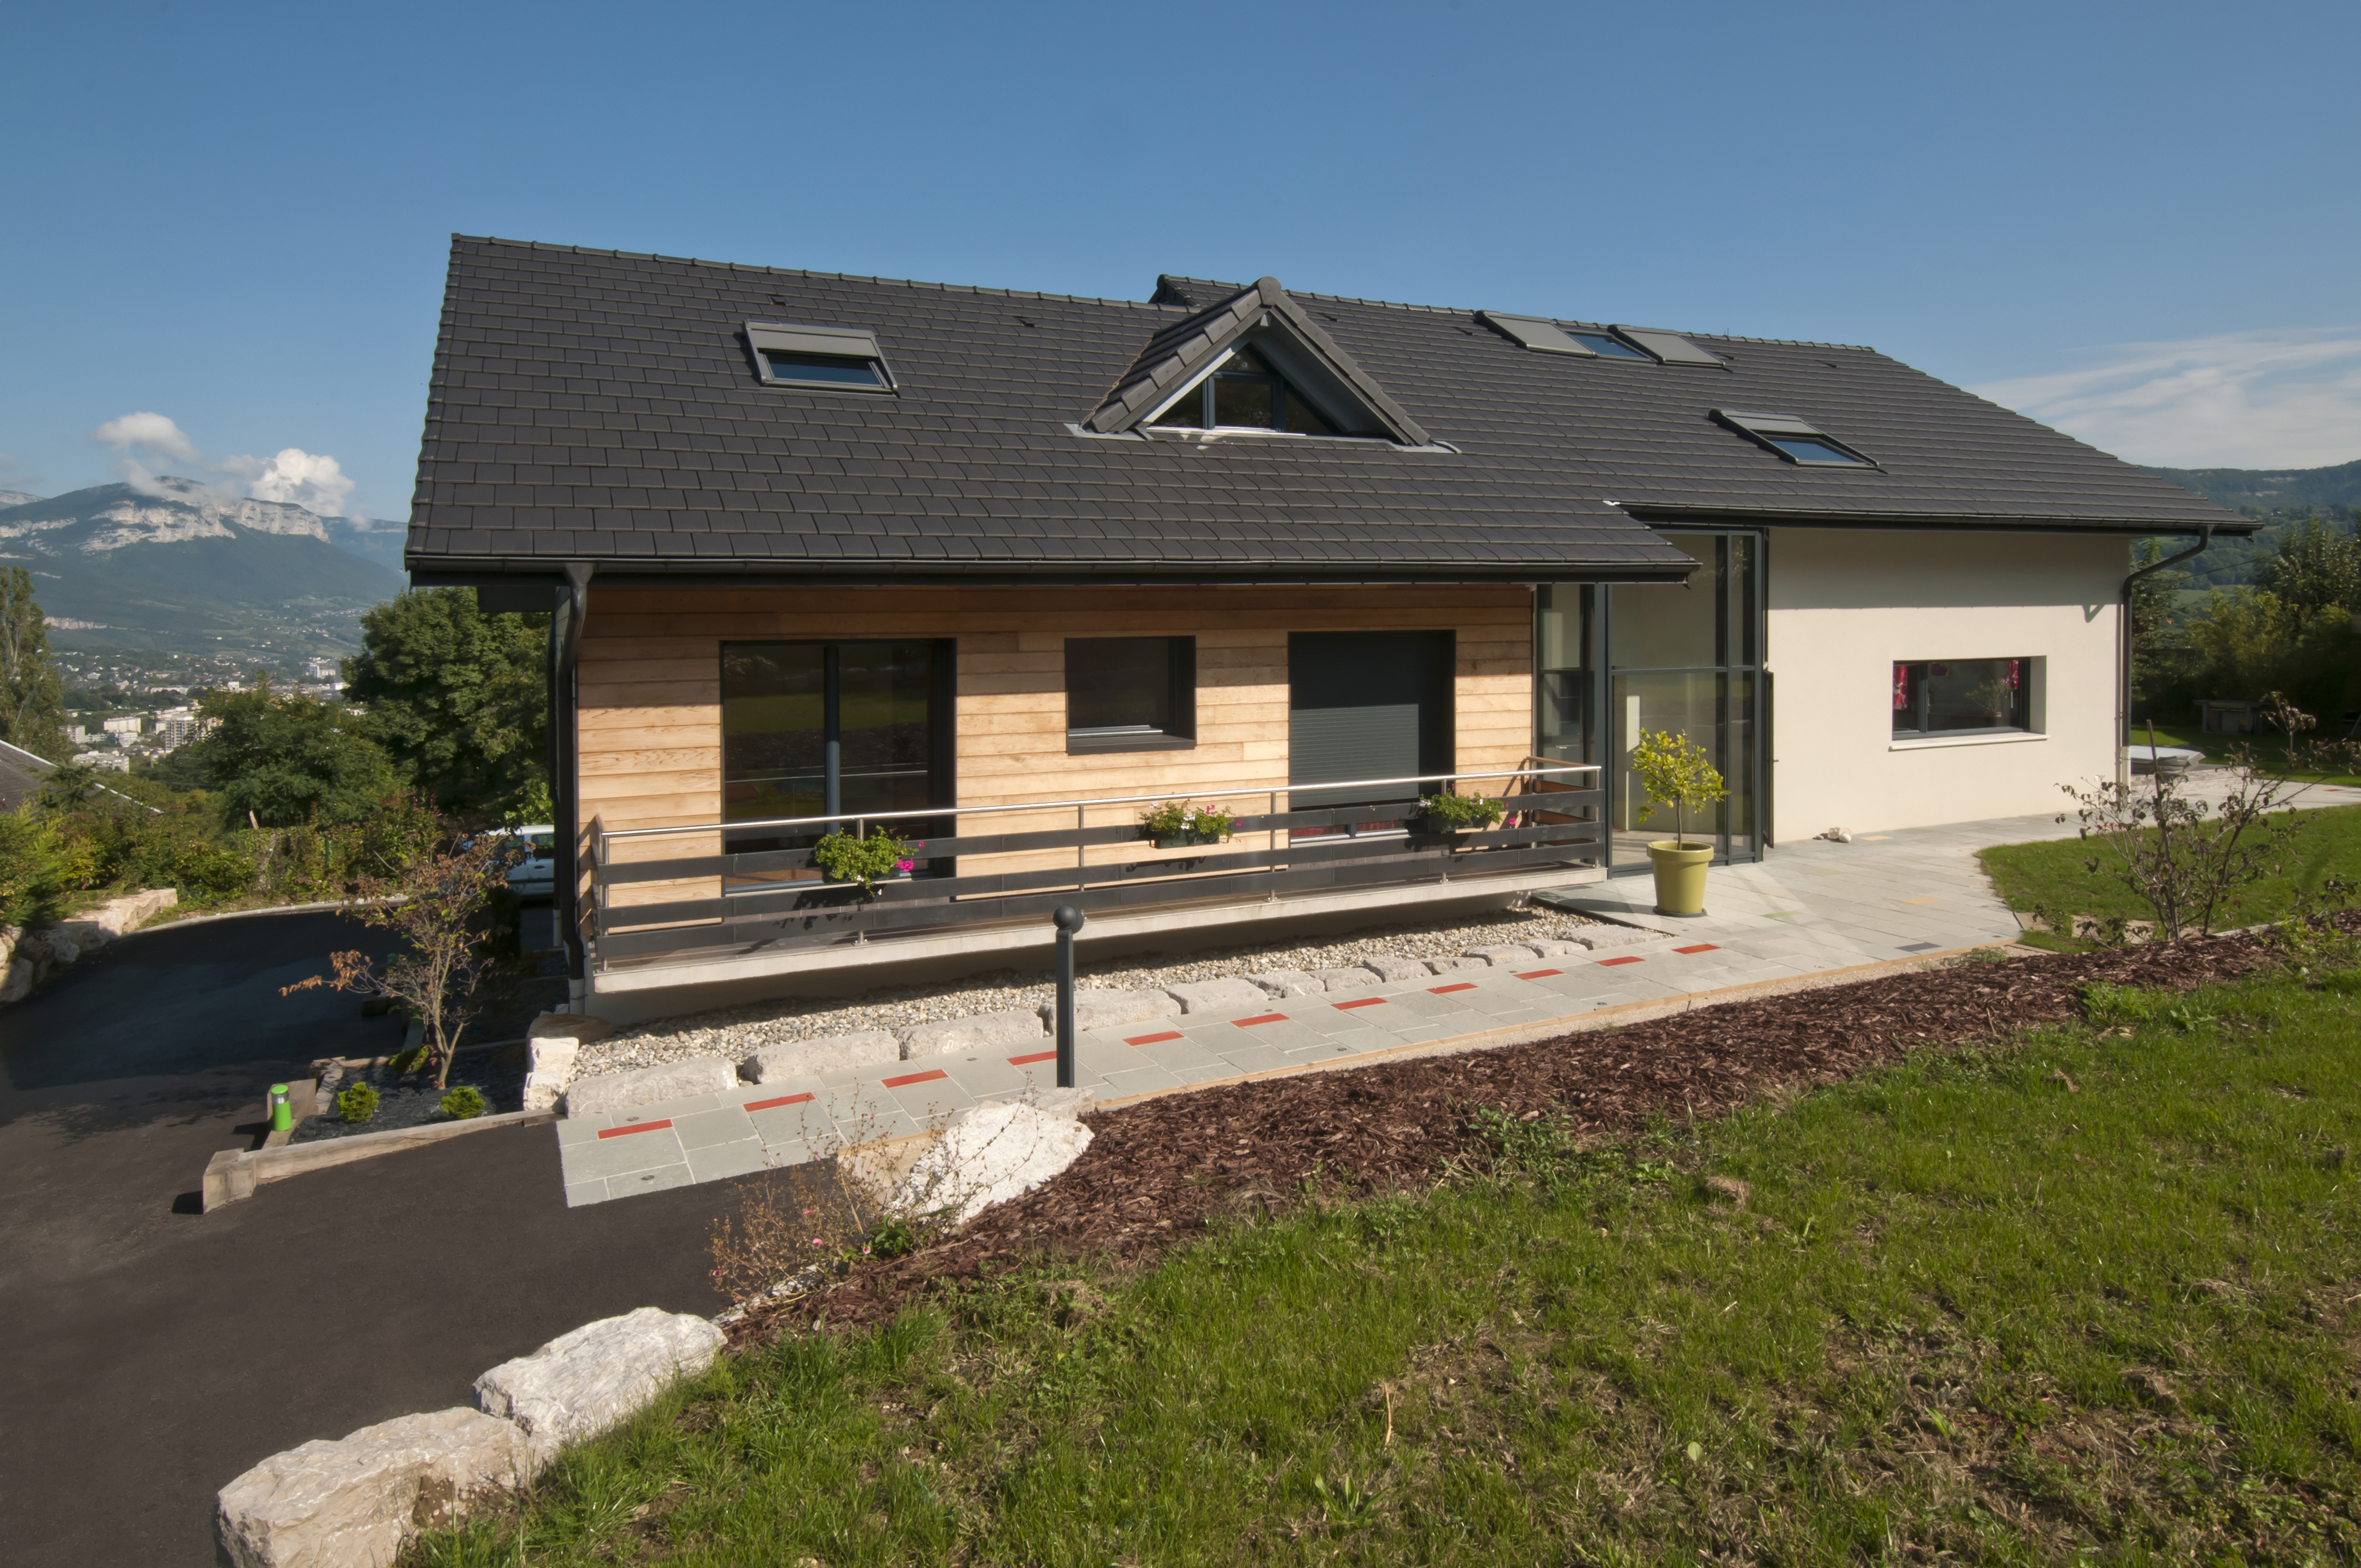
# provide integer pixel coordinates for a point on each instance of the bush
(847, 859)
(408, 1060)
(211, 871)
(33, 866)
(462, 1103)
(357, 1105)
(1449, 811)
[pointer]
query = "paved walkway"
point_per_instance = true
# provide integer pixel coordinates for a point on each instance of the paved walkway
(1812, 909)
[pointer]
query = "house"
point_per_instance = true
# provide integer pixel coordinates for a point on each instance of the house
(1017, 566)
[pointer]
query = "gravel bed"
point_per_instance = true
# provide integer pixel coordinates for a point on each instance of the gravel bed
(411, 1099)
(736, 1033)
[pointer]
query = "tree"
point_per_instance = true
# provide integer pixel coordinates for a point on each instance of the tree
(32, 698)
(457, 698)
(279, 761)
(1675, 770)
(2318, 566)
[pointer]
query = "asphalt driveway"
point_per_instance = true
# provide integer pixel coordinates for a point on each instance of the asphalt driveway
(155, 1353)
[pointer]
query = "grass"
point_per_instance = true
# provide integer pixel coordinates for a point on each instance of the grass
(2269, 749)
(2054, 876)
(2090, 1297)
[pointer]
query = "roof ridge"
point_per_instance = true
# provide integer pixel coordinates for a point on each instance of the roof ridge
(807, 272)
(1573, 321)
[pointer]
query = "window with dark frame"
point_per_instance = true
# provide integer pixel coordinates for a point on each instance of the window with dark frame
(1962, 696)
(1247, 393)
(1131, 694)
(819, 359)
(1798, 440)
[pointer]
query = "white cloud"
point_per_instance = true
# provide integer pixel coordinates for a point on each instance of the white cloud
(2287, 399)
(308, 479)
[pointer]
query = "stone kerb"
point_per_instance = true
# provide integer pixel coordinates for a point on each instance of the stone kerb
(591, 1380)
(609, 1092)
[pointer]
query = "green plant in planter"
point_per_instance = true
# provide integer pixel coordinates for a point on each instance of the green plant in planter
(407, 1061)
(1211, 823)
(847, 859)
(462, 1103)
(1452, 813)
(357, 1105)
(1166, 819)
(1674, 770)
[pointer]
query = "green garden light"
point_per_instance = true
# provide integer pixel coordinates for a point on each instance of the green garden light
(282, 1111)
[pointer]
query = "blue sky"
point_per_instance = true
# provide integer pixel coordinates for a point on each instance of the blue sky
(2137, 221)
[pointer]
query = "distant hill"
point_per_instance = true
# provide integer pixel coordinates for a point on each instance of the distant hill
(185, 569)
(2281, 496)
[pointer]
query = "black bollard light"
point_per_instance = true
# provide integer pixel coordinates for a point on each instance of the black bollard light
(1069, 920)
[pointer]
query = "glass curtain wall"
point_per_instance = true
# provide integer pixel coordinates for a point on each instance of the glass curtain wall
(1613, 662)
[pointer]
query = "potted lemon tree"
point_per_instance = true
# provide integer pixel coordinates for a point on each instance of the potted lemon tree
(1674, 770)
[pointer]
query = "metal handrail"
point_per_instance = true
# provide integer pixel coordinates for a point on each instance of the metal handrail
(867, 816)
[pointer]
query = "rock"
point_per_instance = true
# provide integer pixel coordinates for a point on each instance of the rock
(982, 1031)
(1555, 948)
(1505, 956)
(355, 1502)
(1397, 969)
(93, 928)
(1605, 937)
(1216, 995)
(993, 1153)
(648, 1085)
(1065, 1104)
(549, 1068)
(1444, 966)
(1352, 979)
(804, 1059)
(1287, 982)
(1111, 1009)
(579, 1028)
(582, 1383)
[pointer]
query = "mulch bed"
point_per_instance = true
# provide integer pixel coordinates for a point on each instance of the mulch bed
(1157, 1171)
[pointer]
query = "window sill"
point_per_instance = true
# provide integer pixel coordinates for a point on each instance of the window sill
(1980, 738)
(1078, 747)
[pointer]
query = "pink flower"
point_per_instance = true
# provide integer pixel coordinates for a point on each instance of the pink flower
(905, 865)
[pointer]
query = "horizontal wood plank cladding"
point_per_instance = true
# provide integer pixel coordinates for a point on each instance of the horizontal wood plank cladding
(651, 720)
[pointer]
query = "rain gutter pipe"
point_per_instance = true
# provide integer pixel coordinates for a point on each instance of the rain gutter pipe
(2124, 712)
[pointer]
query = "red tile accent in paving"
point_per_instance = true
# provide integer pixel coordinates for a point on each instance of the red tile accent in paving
(1360, 1001)
(1700, 948)
(635, 1128)
(909, 1078)
(1265, 1018)
(1037, 1055)
(1443, 990)
(1605, 963)
(1151, 1039)
(774, 1104)
(1540, 973)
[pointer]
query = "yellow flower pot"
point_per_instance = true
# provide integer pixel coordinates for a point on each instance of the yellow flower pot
(1680, 875)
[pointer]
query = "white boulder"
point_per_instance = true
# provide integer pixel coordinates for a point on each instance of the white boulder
(1113, 1009)
(608, 1092)
(352, 1503)
(993, 1153)
(1217, 995)
(582, 1383)
(980, 1032)
(803, 1058)
(1506, 955)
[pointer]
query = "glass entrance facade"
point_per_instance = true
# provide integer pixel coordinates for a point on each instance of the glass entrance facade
(1612, 661)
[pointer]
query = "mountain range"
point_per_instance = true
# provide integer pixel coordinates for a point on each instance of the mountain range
(176, 567)
(2280, 496)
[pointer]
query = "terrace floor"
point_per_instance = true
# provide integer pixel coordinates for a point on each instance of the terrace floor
(1813, 910)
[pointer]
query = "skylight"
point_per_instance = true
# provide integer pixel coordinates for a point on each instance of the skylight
(1795, 440)
(1593, 343)
(821, 358)
(1669, 346)
(1605, 345)
(1541, 336)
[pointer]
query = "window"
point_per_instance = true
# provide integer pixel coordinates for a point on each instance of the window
(1962, 696)
(1246, 393)
(1794, 439)
(821, 358)
(1620, 343)
(1669, 346)
(1605, 346)
(1131, 694)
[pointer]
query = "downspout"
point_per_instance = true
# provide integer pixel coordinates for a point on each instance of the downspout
(2124, 692)
(565, 727)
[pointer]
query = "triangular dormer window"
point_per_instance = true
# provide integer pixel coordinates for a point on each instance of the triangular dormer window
(1256, 361)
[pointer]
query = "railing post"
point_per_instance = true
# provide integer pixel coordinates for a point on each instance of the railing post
(1069, 920)
(1082, 851)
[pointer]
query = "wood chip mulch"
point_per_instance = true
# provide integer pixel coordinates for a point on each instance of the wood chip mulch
(1158, 1171)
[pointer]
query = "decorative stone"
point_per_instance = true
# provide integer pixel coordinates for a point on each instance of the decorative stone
(354, 1502)
(576, 1027)
(1444, 966)
(1111, 1009)
(1226, 994)
(1285, 982)
(608, 1092)
(1065, 1104)
(1397, 969)
(804, 1058)
(582, 1383)
(1505, 956)
(993, 1153)
(1555, 948)
(982, 1031)
(1352, 979)
(549, 1068)
(1603, 937)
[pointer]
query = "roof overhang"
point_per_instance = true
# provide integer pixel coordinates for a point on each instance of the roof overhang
(614, 573)
(1991, 523)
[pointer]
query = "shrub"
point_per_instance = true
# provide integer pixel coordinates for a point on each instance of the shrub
(462, 1103)
(847, 859)
(1461, 811)
(357, 1103)
(895, 1237)
(407, 1061)
(211, 870)
(33, 866)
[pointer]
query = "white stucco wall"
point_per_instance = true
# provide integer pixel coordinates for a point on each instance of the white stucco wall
(1845, 605)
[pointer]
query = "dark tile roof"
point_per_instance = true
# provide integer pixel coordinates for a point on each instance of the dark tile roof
(21, 775)
(592, 405)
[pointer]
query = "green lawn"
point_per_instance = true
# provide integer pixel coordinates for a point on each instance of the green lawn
(2053, 876)
(2089, 1298)
(2268, 750)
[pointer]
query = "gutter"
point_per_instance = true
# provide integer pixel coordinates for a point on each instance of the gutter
(565, 748)
(2124, 615)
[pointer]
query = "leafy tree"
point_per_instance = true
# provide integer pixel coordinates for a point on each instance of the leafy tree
(2318, 566)
(32, 698)
(457, 698)
(277, 760)
(2247, 642)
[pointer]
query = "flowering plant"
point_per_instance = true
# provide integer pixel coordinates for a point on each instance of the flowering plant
(1166, 818)
(1212, 823)
(847, 859)
(1454, 811)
